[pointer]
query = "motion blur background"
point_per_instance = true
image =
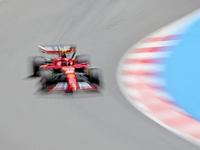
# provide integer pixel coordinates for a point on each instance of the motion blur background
(104, 29)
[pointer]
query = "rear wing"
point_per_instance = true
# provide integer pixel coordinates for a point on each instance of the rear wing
(57, 49)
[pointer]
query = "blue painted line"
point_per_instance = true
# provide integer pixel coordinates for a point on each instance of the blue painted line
(183, 71)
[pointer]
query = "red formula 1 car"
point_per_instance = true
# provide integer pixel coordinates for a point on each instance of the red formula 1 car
(63, 73)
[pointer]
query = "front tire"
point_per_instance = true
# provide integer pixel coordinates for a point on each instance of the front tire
(46, 79)
(37, 61)
(94, 76)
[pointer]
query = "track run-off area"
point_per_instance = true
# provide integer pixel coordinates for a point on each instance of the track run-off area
(103, 29)
(159, 76)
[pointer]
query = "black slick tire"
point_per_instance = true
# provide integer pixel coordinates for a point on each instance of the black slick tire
(37, 61)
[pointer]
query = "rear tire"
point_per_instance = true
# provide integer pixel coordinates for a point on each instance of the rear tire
(37, 61)
(82, 59)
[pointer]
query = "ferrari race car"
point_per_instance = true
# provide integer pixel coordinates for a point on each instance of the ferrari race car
(63, 73)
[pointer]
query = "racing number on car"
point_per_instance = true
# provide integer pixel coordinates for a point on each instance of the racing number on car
(68, 70)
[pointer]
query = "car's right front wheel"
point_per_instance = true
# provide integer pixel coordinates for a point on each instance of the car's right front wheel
(37, 61)
(82, 59)
(46, 79)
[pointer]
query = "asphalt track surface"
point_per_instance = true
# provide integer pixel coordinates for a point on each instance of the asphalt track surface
(104, 29)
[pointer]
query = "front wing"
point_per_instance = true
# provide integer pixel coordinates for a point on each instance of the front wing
(63, 87)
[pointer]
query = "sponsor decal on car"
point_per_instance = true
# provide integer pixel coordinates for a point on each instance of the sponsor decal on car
(70, 75)
(60, 86)
(84, 85)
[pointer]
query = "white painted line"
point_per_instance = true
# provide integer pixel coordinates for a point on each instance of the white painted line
(179, 110)
(163, 94)
(147, 55)
(145, 67)
(158, 44)
(155, 81)
(133, 93)
(130, 79)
